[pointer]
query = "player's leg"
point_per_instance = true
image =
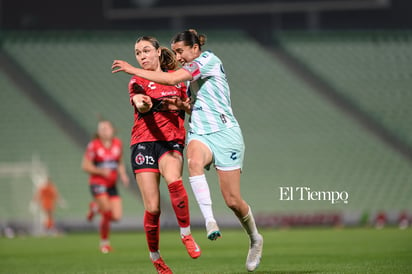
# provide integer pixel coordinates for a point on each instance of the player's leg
(93, 210)
(103, 202)
(49, 222)
(115, 203)
(199, 155)
(148, 183)
(116, 206)
(171, 167)
(229, 181)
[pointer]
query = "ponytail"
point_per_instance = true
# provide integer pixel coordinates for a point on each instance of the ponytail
(167, 59)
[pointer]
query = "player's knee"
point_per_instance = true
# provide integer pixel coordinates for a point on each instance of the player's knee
(194, 165)
(233, 203)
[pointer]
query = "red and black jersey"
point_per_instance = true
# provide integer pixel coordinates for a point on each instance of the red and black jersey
(157, 125)
(104, 157)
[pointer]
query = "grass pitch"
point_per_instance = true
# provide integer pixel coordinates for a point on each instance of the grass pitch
(363, 250)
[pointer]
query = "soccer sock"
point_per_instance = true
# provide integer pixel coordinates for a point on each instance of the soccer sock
(180, 203)
(248, 223)
(105, 224)
(151, 224)
(201, 191)
(154, 256)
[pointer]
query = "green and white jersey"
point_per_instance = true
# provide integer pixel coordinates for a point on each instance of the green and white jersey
(210, 95)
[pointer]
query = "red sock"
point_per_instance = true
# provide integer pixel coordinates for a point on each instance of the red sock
(105, 225)
(180, 202)
(151, 224)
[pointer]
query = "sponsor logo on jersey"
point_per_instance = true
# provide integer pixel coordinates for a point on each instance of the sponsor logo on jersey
(197, 108)
(168, 93)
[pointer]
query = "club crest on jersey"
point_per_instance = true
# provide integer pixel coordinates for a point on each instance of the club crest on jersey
(140, 159)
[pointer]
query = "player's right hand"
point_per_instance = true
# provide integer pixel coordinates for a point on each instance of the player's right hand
(142, 102)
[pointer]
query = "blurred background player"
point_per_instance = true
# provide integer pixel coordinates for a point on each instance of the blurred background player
(214, 136)
(157, 143)
(47, 197)
(103, 161)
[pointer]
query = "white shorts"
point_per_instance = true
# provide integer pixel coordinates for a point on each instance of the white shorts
(227, 147)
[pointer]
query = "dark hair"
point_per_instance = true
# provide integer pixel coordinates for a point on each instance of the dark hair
(190, 38)
(167, 57)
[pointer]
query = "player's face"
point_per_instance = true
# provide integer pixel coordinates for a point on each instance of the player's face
(147, 55)
(105, 130)
(185, 54)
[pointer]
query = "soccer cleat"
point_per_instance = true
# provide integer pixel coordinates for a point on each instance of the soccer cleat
(106, 248)
(213, 232)
(161, 267)
(254, 254)
(191, 246)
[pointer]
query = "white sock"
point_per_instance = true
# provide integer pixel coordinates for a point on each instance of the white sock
(201, 191)
(155, 255)
(248, 223)
(184, 231)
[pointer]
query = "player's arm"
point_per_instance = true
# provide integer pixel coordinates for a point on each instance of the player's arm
(164, 78)
(123, 174)
(91, 168)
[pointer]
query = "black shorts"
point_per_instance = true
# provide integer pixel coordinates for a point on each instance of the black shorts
(98, 190)
(145, 156)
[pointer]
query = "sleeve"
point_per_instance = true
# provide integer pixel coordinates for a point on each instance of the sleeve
(183, 91)
(135, 87)
(90, 153)
(194, 69)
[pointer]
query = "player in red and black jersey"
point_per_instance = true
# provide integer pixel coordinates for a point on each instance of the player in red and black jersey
(157, 142)
(103, 161)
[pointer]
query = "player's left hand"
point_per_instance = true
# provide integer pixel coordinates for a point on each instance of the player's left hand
(119, 65)
(176, 103)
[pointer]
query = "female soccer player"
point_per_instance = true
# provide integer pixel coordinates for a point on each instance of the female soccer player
(158, 137)
(103, 161)
(215, 135)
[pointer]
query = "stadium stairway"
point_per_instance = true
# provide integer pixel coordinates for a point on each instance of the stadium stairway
(34, 124)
